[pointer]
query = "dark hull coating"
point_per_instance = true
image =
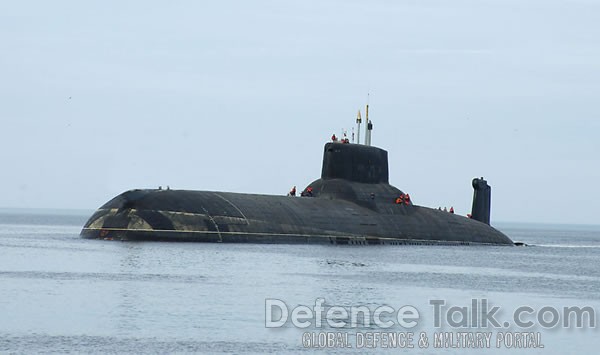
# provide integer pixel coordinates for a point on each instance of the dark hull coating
(352, 203)
(202, 216)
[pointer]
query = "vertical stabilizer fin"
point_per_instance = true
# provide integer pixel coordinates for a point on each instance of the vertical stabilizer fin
(482, 201)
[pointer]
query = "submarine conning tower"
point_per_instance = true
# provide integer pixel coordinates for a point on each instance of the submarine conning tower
(357, 173)
(355, 162)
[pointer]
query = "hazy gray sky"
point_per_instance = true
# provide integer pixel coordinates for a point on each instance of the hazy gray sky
(101, 97)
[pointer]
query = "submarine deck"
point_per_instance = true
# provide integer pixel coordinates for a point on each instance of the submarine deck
(205, 216)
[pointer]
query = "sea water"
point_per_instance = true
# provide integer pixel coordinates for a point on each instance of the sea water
(60, 293)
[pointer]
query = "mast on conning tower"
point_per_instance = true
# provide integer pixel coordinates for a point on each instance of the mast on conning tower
(358, 122)
(369, 127)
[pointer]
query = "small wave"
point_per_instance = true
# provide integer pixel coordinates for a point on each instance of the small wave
(97, 276)
(564, 246)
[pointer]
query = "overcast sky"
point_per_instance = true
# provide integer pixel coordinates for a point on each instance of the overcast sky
(98, 97)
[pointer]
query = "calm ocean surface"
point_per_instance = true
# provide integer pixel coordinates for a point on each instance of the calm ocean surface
(60, 293)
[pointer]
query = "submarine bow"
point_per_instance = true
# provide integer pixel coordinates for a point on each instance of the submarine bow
(352, 203)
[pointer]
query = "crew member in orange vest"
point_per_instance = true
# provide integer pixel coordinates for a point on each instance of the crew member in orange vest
(407, 199)
(307, 192)
(400, 200)
(451, 209)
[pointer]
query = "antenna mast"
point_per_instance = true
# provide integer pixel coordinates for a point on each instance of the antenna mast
(369, 127)
(358, 122)
(368, 123)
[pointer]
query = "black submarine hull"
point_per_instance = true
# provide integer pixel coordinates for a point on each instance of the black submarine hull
(204, 216)
(352, 203)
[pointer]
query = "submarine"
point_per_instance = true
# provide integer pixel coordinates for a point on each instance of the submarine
(351, 204)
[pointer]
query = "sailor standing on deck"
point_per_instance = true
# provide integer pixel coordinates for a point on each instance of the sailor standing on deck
(292, 191)
(308, 192)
